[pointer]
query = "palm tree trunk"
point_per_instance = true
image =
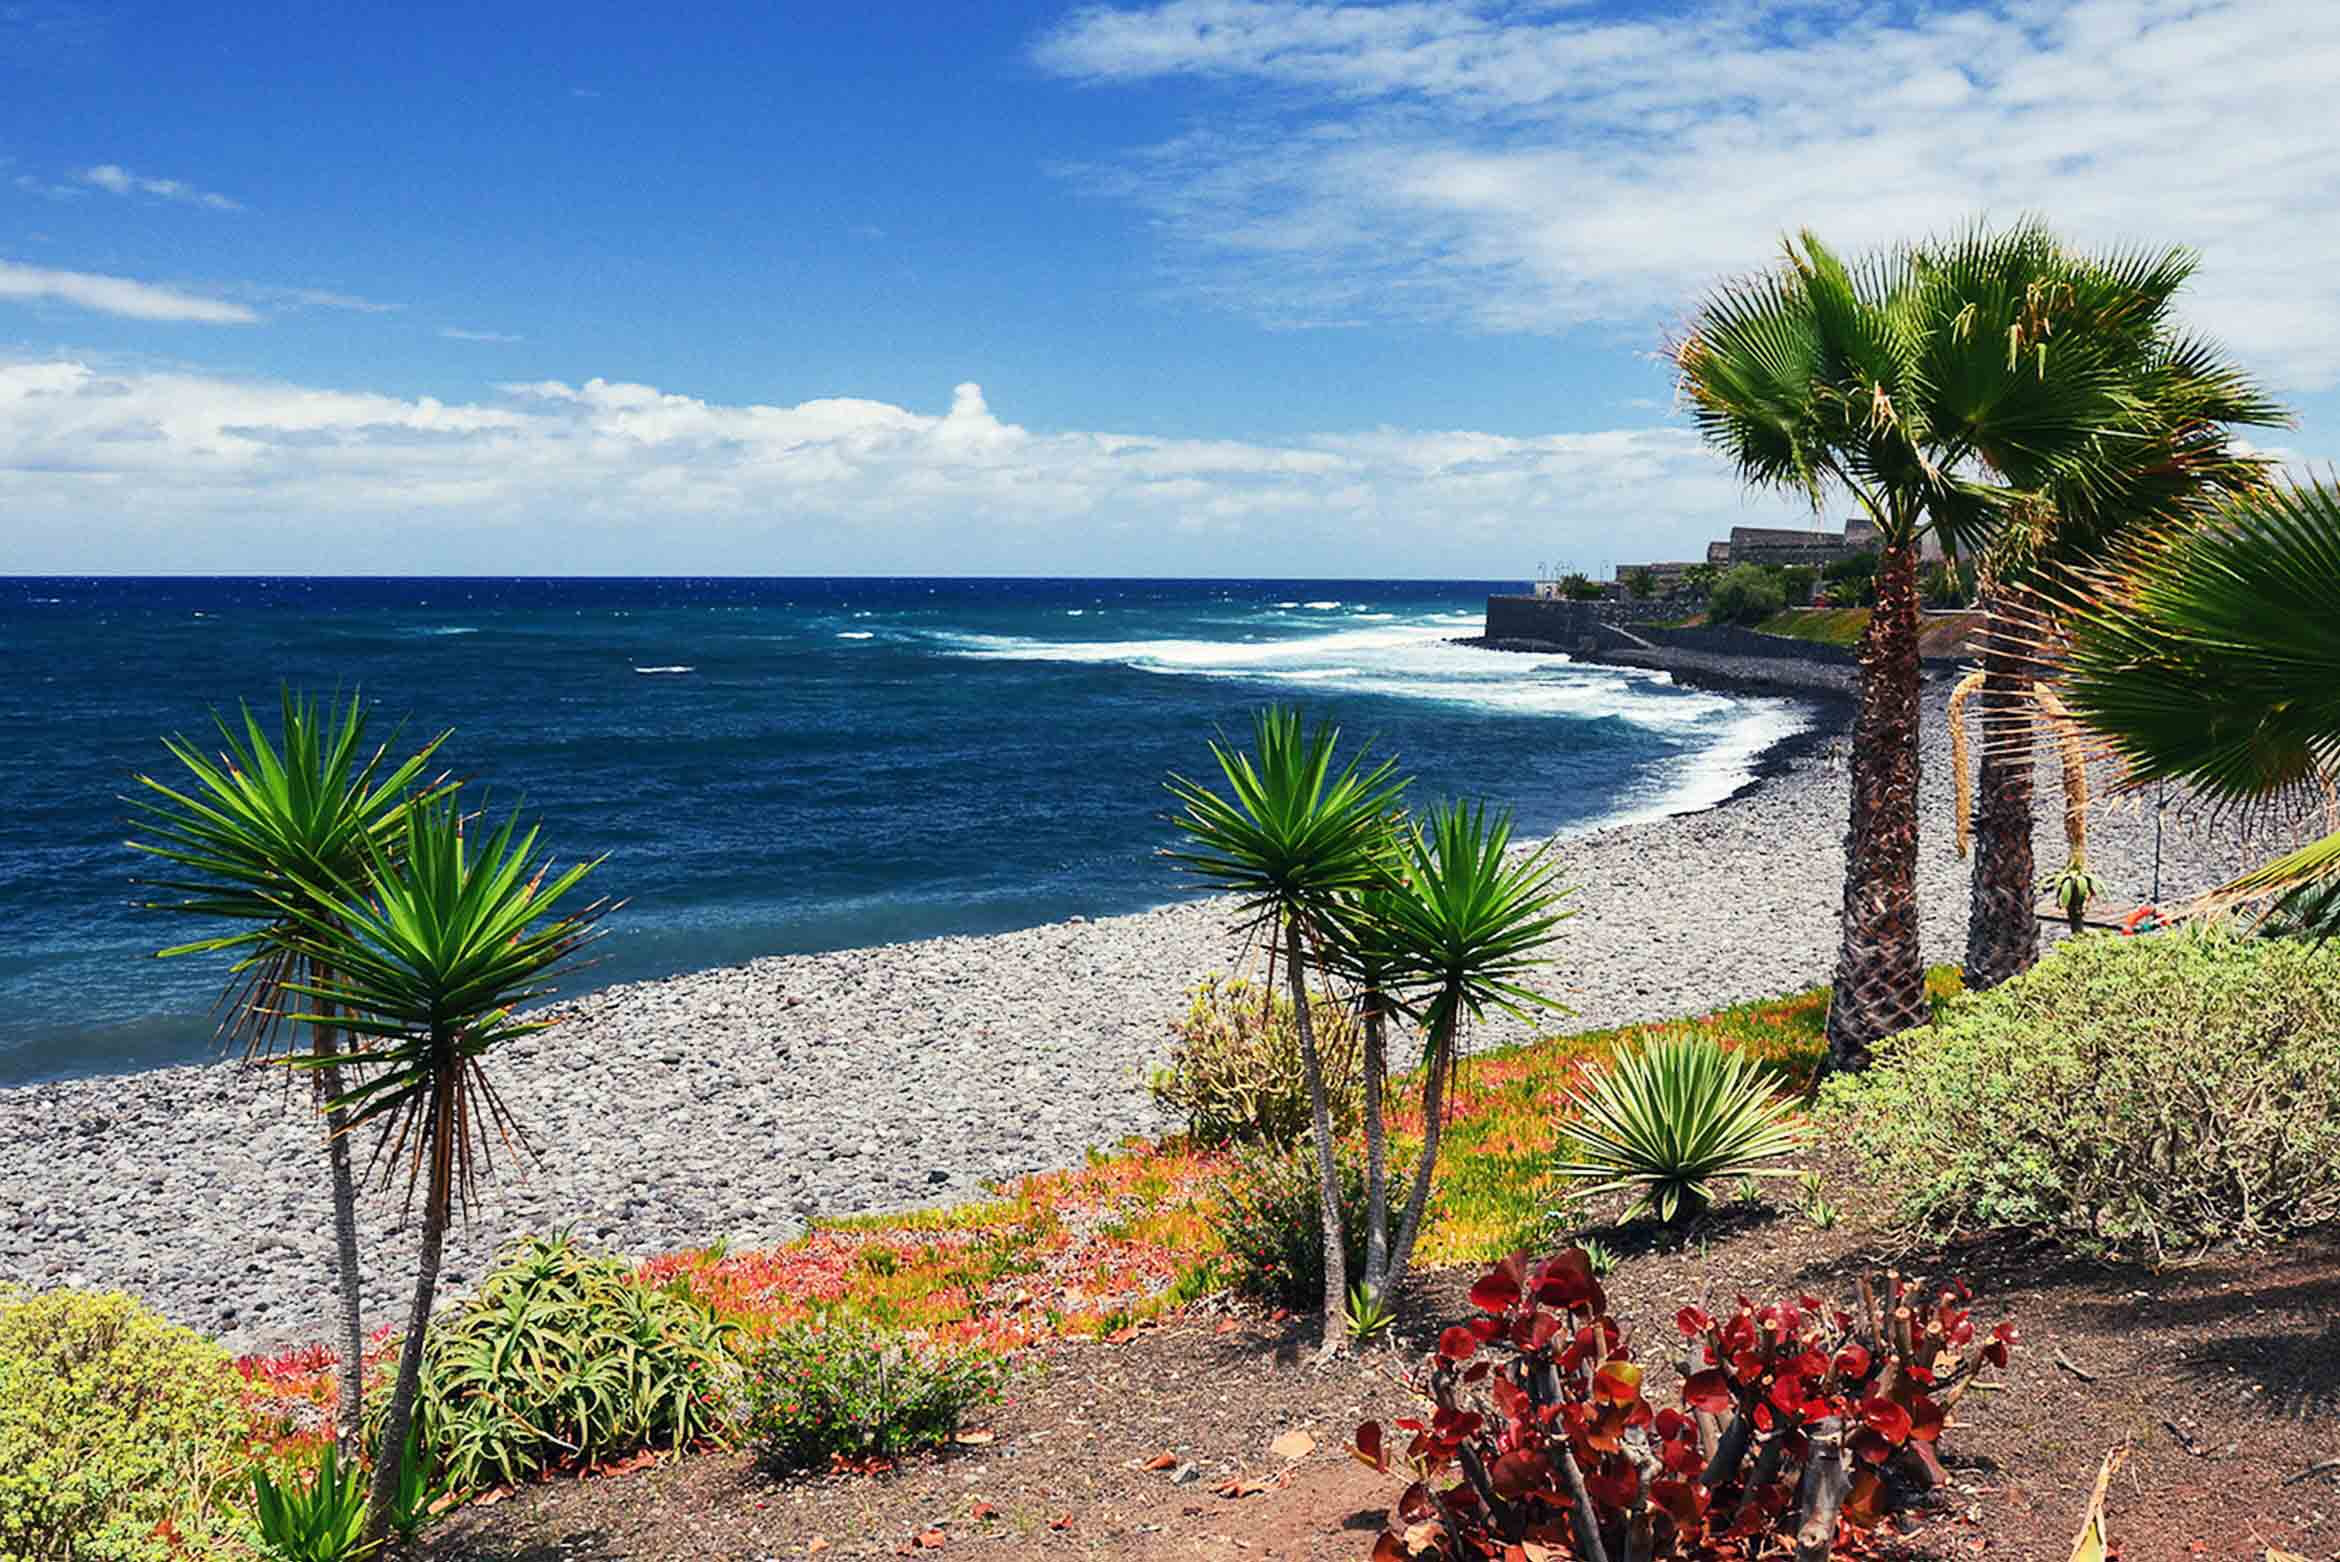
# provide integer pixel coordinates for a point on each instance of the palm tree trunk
(1336, 1263)
(350, 1412)
(2002, 934)
(350, 1404)
(398, 1417)
(1880, 970)
(1435, 1071)
(1376, 1150)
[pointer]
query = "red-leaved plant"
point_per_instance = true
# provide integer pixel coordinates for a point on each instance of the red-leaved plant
(1794, 1416)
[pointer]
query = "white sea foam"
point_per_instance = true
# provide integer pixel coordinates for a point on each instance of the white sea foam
(1074, 612)
(855, 634)
(1321, 607)
(1279, 604)
(441, 630)
(1718, 768)
(1416, 660)
(653, 672)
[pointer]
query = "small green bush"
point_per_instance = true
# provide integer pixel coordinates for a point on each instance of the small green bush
(1269, 1214)
(562, 1355)
(850, 1387)
(112, 1422)
(1235, 1071)
(2127, 1094)
(1746, 594)
(1673, 1122)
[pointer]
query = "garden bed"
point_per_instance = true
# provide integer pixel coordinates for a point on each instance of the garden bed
(1147, 1419)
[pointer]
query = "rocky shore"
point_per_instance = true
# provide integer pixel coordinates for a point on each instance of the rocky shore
(736, 1102)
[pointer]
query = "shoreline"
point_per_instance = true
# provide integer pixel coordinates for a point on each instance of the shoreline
(1827, 718)
(736, 1102)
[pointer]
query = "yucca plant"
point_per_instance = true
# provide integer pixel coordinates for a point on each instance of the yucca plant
(1297, 829)
(246, 833)
(320, 1520)
(1460, 927)
(426, 960)
(1675, 1120)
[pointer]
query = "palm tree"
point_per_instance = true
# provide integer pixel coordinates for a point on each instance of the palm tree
(1463, 927)
(2174, 453)
(1295, 835)
(258, 824)
(1919, 383)
(425, 961)
(2206, 651)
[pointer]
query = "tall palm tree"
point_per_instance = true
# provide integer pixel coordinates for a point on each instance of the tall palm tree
(425, 960)
(2206, 651)
(1297, 831)
(1462, 930)
(254, 826)
(1918, 383)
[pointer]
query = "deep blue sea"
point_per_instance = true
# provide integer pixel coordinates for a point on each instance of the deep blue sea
(772, 765)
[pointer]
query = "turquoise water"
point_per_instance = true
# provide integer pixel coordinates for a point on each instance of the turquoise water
(773, 765)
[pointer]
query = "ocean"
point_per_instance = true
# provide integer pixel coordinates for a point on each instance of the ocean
(773, 766)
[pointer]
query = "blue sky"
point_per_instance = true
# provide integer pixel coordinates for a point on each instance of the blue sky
(1194, 287)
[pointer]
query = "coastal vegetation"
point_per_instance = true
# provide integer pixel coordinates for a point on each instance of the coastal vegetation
(1746, 594)
(1673, 1123)
(2149, 1095)
(1433, 919)
(120, 1433)
(1920, 382)
(2206, 652)
(2162, 1094)
(257, 838)
(1827, 625)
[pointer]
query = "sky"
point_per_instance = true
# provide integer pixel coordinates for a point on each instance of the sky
(1191, 288)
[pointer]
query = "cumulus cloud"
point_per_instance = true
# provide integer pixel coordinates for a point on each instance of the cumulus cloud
(456, 333)
(1520, 168)
(115, 178)
(121, 296)
(115, 468)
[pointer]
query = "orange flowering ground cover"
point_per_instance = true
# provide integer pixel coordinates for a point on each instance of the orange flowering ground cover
(1102, 1249)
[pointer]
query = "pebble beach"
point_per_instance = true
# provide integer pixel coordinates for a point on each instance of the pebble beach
(738, 1102)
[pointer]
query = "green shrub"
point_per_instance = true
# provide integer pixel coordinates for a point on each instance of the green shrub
(562, 1355)
(1269, 1214)
(856, 1389)
(1235, 1071)
(1674, 1121)
(112, 1422)
(2127, 1094)
(1746, 594)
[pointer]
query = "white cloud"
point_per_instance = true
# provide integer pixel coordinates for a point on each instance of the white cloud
(1523, 168)
(161, 469)
(121, 181)
(121, 296)
(456, 333)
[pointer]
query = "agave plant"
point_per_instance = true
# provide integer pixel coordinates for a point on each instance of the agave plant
(1676, 1120)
